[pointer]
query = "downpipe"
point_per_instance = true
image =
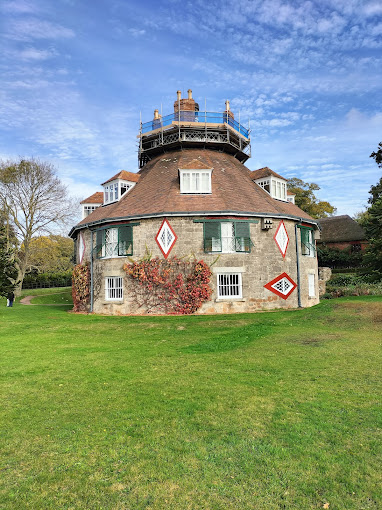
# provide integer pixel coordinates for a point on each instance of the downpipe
(297, 266)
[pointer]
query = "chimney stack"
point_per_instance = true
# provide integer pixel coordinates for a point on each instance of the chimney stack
(178, 95)
(186, 105)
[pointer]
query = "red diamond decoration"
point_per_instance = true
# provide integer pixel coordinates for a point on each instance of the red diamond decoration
(282, 285)
(166, 238)
(281, 238)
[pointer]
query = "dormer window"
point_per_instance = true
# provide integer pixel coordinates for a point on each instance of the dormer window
(118, 185)
(195, 181)
(113, 191)
(277, 188)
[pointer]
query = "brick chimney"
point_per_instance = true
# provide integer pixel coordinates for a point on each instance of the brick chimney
(185, 104)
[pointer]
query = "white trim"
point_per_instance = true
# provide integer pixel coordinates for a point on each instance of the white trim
(193, 181)
(229, 286)
(228, 269)
(311, 285)
(113, 288)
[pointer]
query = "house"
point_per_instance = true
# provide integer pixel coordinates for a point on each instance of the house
(194, 198)
(342, 233)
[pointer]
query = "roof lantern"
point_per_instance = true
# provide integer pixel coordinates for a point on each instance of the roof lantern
(188, 127)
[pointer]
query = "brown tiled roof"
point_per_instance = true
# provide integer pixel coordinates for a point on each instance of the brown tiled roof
(340, 229)
(195, 164)
(157, 192)
(96, 198)
(290, 193)
(265, 172)
(126, 176)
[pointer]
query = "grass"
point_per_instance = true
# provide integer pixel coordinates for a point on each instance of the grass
(277, 410)
(61, 296)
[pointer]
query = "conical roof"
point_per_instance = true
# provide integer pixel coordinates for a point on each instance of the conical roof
(157, 192)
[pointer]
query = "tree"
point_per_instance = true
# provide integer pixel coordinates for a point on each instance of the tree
(8, 270)
(373, 230)
(307, 200)
(34, 200)
(378, 155)
(50, 254)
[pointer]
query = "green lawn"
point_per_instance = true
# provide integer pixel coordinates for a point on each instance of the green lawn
(277, 410)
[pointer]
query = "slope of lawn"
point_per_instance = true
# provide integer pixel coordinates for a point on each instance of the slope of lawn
(51, 296)
(277, 410)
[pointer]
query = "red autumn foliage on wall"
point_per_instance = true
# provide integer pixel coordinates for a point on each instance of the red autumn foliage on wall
(81, 287)
(172, 286)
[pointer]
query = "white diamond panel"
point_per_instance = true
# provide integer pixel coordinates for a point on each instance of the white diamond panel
(283, 286)
(165, 238)
(282, 238)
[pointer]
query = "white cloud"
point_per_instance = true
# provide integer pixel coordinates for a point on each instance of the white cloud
(36, 54)
(18, 7)
(372, 9)
(135, 32)
(34, 28)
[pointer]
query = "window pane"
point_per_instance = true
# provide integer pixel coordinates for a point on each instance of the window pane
(186, 182)
(114, 288)
(205, 182)
(229, 285)
(228, 237)
(195, 181)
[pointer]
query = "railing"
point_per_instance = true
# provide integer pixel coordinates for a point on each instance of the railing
(190, 116)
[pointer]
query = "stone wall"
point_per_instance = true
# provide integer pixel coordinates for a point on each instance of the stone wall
(261, 265)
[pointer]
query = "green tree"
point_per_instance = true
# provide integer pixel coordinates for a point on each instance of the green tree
(373, 230)
(307, 200)
(34, 200)
(8, 270)
(377, 155)
(50, 254)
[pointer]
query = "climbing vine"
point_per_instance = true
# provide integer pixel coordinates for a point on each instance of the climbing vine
(81, 287)
(169, 286)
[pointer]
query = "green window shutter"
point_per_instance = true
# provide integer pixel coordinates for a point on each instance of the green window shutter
(99, 243)
(242, 236)
(306, 246)
(212, 236)
(125, 240)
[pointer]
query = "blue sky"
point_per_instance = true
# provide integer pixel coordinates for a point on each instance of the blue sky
(75, 76)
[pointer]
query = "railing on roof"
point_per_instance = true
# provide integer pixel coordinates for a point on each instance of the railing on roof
(191, 116)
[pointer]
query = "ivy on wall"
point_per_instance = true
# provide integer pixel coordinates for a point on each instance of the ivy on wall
(169, 286)
(81, 287)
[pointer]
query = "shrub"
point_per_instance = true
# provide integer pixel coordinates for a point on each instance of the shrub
(44, 280)
(335, 258)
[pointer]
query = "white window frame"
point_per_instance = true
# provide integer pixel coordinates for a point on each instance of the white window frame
(113, 190)
(110, 247)
(229, 285)
(88, 209)
(195, 181)
(113, 288)
(311, 285)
